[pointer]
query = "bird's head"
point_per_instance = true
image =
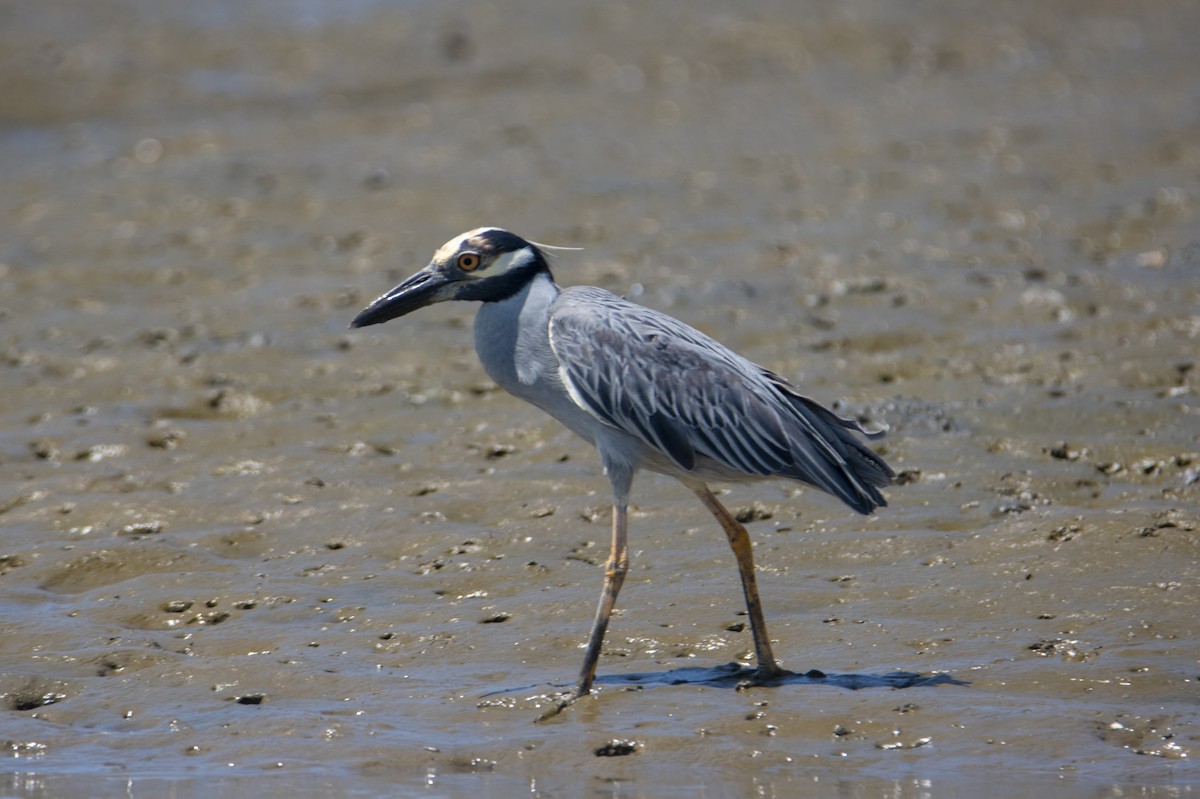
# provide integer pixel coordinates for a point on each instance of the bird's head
(486, 264)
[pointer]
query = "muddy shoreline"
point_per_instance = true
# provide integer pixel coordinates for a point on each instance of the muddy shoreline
(238, 540)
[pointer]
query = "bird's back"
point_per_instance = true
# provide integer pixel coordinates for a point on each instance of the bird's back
(711, 413)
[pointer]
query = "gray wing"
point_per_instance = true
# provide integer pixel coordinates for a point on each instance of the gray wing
(689, 396)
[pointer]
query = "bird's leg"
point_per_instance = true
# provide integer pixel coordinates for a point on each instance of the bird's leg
(614, 577)
(739, 541)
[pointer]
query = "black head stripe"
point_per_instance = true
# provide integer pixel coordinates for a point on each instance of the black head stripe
(493, 288)
(495, 241)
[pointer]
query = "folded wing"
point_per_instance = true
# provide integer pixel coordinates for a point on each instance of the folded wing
(690, 397)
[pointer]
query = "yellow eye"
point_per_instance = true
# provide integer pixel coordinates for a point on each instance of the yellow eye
(468, 261)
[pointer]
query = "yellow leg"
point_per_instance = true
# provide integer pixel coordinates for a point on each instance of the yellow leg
(739, 541)
(614, 577)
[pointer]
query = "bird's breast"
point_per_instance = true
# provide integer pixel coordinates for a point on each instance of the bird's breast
(512, 340)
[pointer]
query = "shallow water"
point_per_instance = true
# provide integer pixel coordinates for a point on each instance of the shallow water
(237, 540)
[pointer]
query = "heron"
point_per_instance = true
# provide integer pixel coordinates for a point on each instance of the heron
(648, 392)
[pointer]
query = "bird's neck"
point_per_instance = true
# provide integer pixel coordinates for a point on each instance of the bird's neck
(511, 335)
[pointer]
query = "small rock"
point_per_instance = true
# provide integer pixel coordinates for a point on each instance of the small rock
(143, 528)
(753, 513)
(617, 747)
(1063, 452)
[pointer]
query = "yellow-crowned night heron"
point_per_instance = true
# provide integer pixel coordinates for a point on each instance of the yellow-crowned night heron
(647, 391)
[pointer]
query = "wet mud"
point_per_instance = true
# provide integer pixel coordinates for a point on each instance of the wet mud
(243, 548)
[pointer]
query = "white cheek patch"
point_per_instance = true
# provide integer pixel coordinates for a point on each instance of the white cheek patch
(510, 260)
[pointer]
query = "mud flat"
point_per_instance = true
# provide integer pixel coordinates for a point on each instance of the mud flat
(242, 548)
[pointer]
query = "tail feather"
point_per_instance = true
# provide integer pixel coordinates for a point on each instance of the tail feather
(863, 471)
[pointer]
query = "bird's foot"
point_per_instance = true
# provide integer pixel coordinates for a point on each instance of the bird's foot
(763, 675)
(562, 702)
(768, 673)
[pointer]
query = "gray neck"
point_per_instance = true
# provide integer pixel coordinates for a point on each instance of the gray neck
(513, 340)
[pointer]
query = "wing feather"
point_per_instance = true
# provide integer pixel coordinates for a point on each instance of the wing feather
(690, 398)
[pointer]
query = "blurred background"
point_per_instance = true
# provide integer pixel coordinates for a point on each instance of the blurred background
(237, 539)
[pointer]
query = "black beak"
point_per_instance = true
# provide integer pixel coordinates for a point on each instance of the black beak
(423, 288)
